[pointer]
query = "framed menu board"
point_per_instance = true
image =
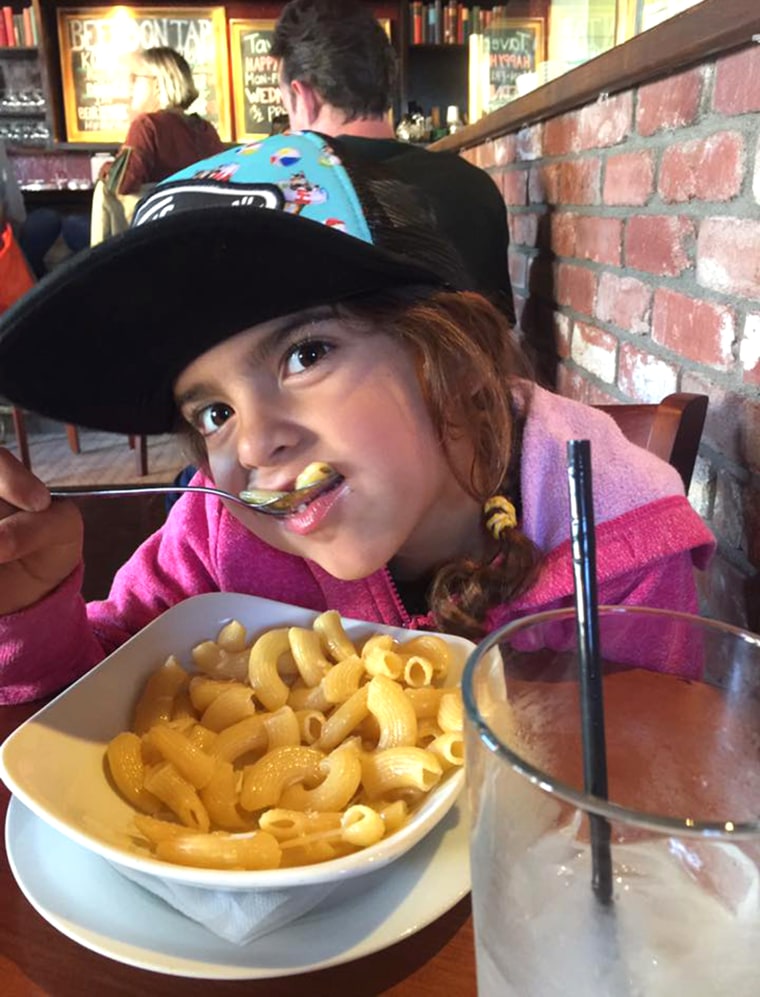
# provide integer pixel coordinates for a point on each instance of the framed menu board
(515, 47)
(95, 43)
(255, 91)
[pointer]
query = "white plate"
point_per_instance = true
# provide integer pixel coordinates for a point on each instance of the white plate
(82, 896)
(53, 762)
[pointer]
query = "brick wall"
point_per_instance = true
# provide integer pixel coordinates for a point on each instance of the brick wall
(635, 258)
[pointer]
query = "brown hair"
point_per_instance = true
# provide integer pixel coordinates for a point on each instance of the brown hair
(339, 48)
(475, 379)
(469, 363)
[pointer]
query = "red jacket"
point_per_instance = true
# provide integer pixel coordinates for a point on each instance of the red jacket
(162, 142)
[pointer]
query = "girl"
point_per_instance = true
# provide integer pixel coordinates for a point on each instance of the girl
(290, 309)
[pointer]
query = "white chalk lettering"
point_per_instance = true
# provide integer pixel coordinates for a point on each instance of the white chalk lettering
(255, 44)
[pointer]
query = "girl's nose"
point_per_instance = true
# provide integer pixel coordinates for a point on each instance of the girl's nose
(265, 434)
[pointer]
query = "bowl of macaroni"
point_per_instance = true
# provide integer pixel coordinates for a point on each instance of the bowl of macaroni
(242, 744)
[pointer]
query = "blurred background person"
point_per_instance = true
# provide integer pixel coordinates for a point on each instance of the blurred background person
(163, 135)
(338, 75)
(15, 275)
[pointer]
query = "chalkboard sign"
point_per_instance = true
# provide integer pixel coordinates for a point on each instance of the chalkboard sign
(255, 90)
(515, 47)
(95, 43)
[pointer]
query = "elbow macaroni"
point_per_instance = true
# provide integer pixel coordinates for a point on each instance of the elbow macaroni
(296, 748)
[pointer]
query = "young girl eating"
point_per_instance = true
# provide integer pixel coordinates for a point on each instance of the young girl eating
(287, 309)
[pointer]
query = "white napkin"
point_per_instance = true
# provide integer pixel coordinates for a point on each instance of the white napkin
(238, 916)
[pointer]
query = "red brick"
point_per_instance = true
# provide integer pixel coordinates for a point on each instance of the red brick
(505, 150)
(606, 122)
(594, 350)
(596, 395)
(749, 350)
(737, 82)
(728, 513)
(523, 228)
(709, 169)
(560, 134)
(542, 278)
(575, 288)
(563, 326)
(728, 256)
(530, 143)
(563, 230)
(659, 244)
(724, 413)
(643, 376)
(624, 301)
(579, 181)
(669, 103)
(514, 186)
(572, 384)
(543, 184)
(518, 268)
(699, 330)
(483, 155)
(629, 178)
(599, 239)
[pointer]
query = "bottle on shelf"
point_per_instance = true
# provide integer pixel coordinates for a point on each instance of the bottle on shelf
(414, 126)
(453, 119)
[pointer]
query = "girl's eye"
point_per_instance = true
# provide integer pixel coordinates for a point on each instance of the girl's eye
(303, 355)
(211, 418)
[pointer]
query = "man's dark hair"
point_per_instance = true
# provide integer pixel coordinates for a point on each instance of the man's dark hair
(338, 48)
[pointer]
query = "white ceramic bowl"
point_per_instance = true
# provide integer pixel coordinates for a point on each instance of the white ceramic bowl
(54, 762)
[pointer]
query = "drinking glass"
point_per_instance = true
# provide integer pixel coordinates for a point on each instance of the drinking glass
(681, 698)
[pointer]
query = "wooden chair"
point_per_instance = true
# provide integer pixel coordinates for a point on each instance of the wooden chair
(137, 443)
(671, 429)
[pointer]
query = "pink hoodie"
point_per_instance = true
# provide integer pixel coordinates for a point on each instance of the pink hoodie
(648, 541)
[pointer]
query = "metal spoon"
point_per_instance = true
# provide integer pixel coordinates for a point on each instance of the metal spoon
(278, 504)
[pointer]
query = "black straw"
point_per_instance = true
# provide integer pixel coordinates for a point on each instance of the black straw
(587, 630)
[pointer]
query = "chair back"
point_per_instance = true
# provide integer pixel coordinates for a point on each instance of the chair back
(671, 429)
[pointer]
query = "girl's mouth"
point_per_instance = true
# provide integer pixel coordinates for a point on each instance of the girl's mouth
(308, 516)
(316, 480)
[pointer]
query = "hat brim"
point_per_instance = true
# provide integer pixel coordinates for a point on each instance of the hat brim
(101, 340)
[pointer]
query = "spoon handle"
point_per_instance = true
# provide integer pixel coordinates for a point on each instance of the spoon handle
(67, 491)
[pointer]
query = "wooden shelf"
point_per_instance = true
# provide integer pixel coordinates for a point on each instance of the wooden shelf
(437, 46)
(22, 112)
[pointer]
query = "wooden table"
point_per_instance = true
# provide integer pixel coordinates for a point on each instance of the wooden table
(37, 960)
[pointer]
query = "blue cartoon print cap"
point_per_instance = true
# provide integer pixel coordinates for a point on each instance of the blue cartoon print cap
(256, 232)
(299, 173)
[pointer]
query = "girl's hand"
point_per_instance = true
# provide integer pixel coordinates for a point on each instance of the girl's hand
(40, 540)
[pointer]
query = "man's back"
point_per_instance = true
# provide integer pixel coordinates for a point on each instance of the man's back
(338, 74)
(468, 207)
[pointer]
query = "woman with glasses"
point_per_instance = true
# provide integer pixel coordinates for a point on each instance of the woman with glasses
(162, 137)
